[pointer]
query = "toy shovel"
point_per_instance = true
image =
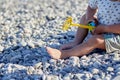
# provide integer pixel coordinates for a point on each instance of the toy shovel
(69, 23)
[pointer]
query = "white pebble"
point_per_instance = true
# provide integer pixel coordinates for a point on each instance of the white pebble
(117, 77)
(110, 68)
(95, 71)
(1, 48)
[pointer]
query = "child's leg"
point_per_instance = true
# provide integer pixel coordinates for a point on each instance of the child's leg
(79, 37)
(84, 48)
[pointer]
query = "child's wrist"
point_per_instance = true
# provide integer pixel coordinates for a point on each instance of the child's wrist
(106, 29)
(93, 22)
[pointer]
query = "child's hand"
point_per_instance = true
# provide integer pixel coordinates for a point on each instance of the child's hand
(100, 29)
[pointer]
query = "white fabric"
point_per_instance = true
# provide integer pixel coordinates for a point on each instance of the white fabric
(108, 11)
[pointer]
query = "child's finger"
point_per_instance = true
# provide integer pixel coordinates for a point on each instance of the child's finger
(92, 32)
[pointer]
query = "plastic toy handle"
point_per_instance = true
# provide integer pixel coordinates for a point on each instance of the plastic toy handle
(69, 22)
(83, 26)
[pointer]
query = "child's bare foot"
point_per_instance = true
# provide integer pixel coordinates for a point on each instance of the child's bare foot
(68, 45)
(54, 53)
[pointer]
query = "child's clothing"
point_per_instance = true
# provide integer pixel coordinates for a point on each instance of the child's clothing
(112, 42)
(108, 14)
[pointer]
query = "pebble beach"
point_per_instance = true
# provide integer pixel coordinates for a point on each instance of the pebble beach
(28, 26)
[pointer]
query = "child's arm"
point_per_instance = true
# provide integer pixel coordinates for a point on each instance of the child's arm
(90, 13)
(113, 28)
(100, 29)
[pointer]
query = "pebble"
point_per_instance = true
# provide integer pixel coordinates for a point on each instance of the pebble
(23, 43)
(102, 75)
(117, 78)
(44, 77)
(1, 48)
(52, 77)
(118, 73)
(84, 57)
(66, 77)
(1, 65)
(38, 71)
(96, 64)
(71, 33)
(13, 59)
(79, 76)
(31, 44)
(116, 57)
(74, 61)
(95, 71)
(38, 65)
(46, 65)
(52, 61)
(96, 77)
(30, 70)
(88, 75)
(28, 26)
(110, 69)
(108, 77)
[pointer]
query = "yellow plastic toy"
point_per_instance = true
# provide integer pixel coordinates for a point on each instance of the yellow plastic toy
(69, 22)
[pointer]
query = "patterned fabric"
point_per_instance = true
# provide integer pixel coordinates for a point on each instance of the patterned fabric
(112, 42)
(108, 14)
(108, 11)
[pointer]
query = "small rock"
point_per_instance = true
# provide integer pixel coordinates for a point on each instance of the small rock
(118, 73)
(95, 71)
(74, 61)
(44, 77)
(102, 75)
(1, 65)
(52, 77)
(79, 76)
(1, 48)
(108, 77)
(31, 44)
(66, 77)
(117, 69)
(88, 75)
(116, 57)
(23, 43)
(38, 65)
(96, 64)
(11, 79)
(96, 77)
(117, 78)
(117, 66)
(38, 71)
(30, 70)
(84, 57)
(71, 33)
(46, 65)
(110, 69)
(15, 58)
(52, 61)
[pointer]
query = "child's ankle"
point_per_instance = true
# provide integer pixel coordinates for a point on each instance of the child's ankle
(63, 55)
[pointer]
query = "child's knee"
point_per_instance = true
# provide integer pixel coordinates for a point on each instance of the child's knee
(98, 39)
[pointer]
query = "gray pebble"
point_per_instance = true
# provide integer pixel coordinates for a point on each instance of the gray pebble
(28, 26)
(117, 78)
